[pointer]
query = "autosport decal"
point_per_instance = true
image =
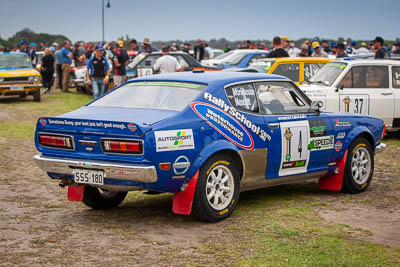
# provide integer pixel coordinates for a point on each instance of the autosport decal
(224, 123)
(174, 140)
(239, 116)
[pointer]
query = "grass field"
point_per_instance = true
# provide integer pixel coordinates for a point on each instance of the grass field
(279, 226)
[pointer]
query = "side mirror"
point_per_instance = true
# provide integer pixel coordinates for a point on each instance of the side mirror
(339, 87)
(317, 105)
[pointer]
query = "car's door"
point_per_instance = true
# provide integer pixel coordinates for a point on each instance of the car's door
(366, 91)
(184, 64)
(396, 93)
(301, 141)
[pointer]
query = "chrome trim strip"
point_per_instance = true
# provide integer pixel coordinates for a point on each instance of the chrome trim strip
(56, 134)
(24, 85)
(87, 143)
(123, 171)
(286, 180)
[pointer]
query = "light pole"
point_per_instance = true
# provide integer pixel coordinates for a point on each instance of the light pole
(102, 16)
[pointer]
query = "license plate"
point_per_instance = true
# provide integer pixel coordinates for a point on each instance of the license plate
(83, 176)
(16, 87)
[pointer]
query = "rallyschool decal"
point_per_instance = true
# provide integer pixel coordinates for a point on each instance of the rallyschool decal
(239, 116)
(174, 140)
(321, 143)
(224, 123)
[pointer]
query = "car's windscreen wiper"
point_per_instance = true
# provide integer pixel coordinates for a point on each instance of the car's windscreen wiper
(319, 82)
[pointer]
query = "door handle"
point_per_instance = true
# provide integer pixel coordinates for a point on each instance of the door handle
(273, 125)
(386, 93)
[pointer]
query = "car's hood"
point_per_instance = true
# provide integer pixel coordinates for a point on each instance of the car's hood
(8, 72)
(314, 89)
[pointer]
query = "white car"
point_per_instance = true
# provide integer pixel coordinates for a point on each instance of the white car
(233, 57)
(369, 87)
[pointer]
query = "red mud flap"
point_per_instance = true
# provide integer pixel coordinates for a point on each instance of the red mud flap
(75, 193)
(334, 182)
(183, 201)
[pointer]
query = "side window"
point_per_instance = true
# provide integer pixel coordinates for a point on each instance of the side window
(377, 77)
(255, 58)
(347, 80)
(396, 77)
(280, 98)
(182, 62)
(243, 97)
(149, 61)
(290, 71)
(310, 69)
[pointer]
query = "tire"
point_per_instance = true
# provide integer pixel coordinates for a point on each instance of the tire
(359, 167)
(215, 199)
(22, 95)
(100, 199)
(36, 96)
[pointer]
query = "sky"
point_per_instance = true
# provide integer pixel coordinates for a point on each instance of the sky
(206, 19)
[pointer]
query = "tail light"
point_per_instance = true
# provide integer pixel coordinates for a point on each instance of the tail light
(121, 146)
(56, 141)
(384, 131)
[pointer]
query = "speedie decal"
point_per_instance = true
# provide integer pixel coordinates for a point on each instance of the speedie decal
(224, 123)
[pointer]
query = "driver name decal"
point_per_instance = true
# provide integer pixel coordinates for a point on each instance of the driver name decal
(224, 123)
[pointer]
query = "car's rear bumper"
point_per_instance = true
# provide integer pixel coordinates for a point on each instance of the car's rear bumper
(122, 171)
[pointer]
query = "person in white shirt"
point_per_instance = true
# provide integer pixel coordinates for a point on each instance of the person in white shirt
(363, 49)
(293, 51)
(166, 63)
(209, 54)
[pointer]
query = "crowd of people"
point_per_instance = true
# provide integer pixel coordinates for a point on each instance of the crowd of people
(103, 58)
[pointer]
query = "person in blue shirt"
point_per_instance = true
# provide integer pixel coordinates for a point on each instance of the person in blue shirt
(98, 72)
(66, 60)
(59, 66)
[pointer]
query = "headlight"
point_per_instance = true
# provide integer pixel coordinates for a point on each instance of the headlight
(36, 78)
(1, 79)
(30, 78)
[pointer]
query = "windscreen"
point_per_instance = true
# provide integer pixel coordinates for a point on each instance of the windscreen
(329, 73)
(233, 59)
(15, 61)
(152, 95)
(262, 66)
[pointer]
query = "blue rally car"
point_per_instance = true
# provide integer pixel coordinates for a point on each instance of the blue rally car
(204, 137)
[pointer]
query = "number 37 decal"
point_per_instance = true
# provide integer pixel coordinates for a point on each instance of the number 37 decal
(354, 104)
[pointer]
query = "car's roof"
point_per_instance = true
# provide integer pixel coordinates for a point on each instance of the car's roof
(295, 59)
(13, 53)
(249, 51)
(210, 77)
(354, 61)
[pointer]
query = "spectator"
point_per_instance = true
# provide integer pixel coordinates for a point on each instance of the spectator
(227, 48)
(381, 52)
(285, 42)
(333, 48)
(352, 48)
(304, 50)
(340, 50)
(397, 49)
(208, 53)
(262, 46)
(325, 46)
(363, 49)
(47, 69)
(119, 63)
(278, 50)
(32, 54)
(293, 51)
(23, 47)
(134, 45)
(317, 51)
(66, 60)
(147, 47)
(78, 58)
(98, 72)
(199, 50)
(167, 63)
(186, 48)
(58, 58)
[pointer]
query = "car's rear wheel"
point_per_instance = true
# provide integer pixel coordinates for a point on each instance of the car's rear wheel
(217, 190)
(36, 96)
(359, 167)
(102, 199)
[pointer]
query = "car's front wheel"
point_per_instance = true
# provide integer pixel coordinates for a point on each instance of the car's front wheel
(36, 96)
(217, 190)
(359, 167)
(102, 199)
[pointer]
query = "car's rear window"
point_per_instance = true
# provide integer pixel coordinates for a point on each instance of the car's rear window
(152, 95)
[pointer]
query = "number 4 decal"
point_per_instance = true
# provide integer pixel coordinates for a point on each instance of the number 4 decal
(295, 155)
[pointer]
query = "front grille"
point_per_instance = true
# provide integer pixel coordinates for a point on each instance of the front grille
(16, 79)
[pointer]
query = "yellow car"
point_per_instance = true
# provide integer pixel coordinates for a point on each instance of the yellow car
(18, 77)
(298, 69)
